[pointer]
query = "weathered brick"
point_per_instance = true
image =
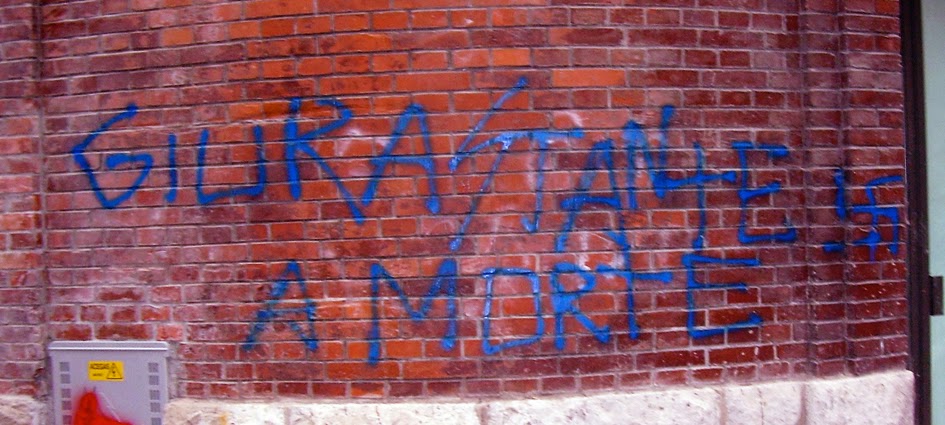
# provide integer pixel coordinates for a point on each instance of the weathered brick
(514, 111)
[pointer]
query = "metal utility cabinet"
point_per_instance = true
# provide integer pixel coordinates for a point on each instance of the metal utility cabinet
(124, 381)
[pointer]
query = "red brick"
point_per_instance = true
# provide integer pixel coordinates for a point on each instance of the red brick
(588, 77)
(432, 81)
(177, 36)
(507, 37)
(440, 40)
(511, 57)
(586, 36)
(277, 27)
(351, 22)
(390, 20)
(468, 18)
(428, 19)
(733, 74)
(267, 8)
(355, 43)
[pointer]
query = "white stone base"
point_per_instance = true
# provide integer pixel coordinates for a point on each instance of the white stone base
(878, 399)
(20, 410)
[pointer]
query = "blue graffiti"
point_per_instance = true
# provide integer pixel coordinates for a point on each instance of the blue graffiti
(746, 194)
(445, 283)
(296, 143)
(112, 161)
(506, 140)
(873, 239)
(601, 155)
(840, 200)
(690, 262)
(630, 277)
(252, 191)
(564, 302)
(306, 331)
(465, 152)
(700, 179)
(301, 143)
(425, 160)
(696, 257)
(693, 259)
(660, 179)
(301, 146)
(171, 195)
(490, 275)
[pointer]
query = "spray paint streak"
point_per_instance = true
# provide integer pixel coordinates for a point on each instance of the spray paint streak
(89, 412)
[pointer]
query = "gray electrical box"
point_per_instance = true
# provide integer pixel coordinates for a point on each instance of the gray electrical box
(123, 381)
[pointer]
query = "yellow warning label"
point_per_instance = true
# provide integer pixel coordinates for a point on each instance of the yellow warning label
(106, 371)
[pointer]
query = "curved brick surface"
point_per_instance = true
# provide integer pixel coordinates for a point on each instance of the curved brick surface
(383, 200)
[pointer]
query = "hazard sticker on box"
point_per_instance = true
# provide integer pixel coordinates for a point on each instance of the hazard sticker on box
(106, 371)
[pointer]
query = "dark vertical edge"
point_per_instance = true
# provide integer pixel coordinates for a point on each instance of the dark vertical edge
(918, 262)
(43, 380)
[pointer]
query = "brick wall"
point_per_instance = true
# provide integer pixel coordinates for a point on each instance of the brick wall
(855, 115)
(408, 198)
(21, 282)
